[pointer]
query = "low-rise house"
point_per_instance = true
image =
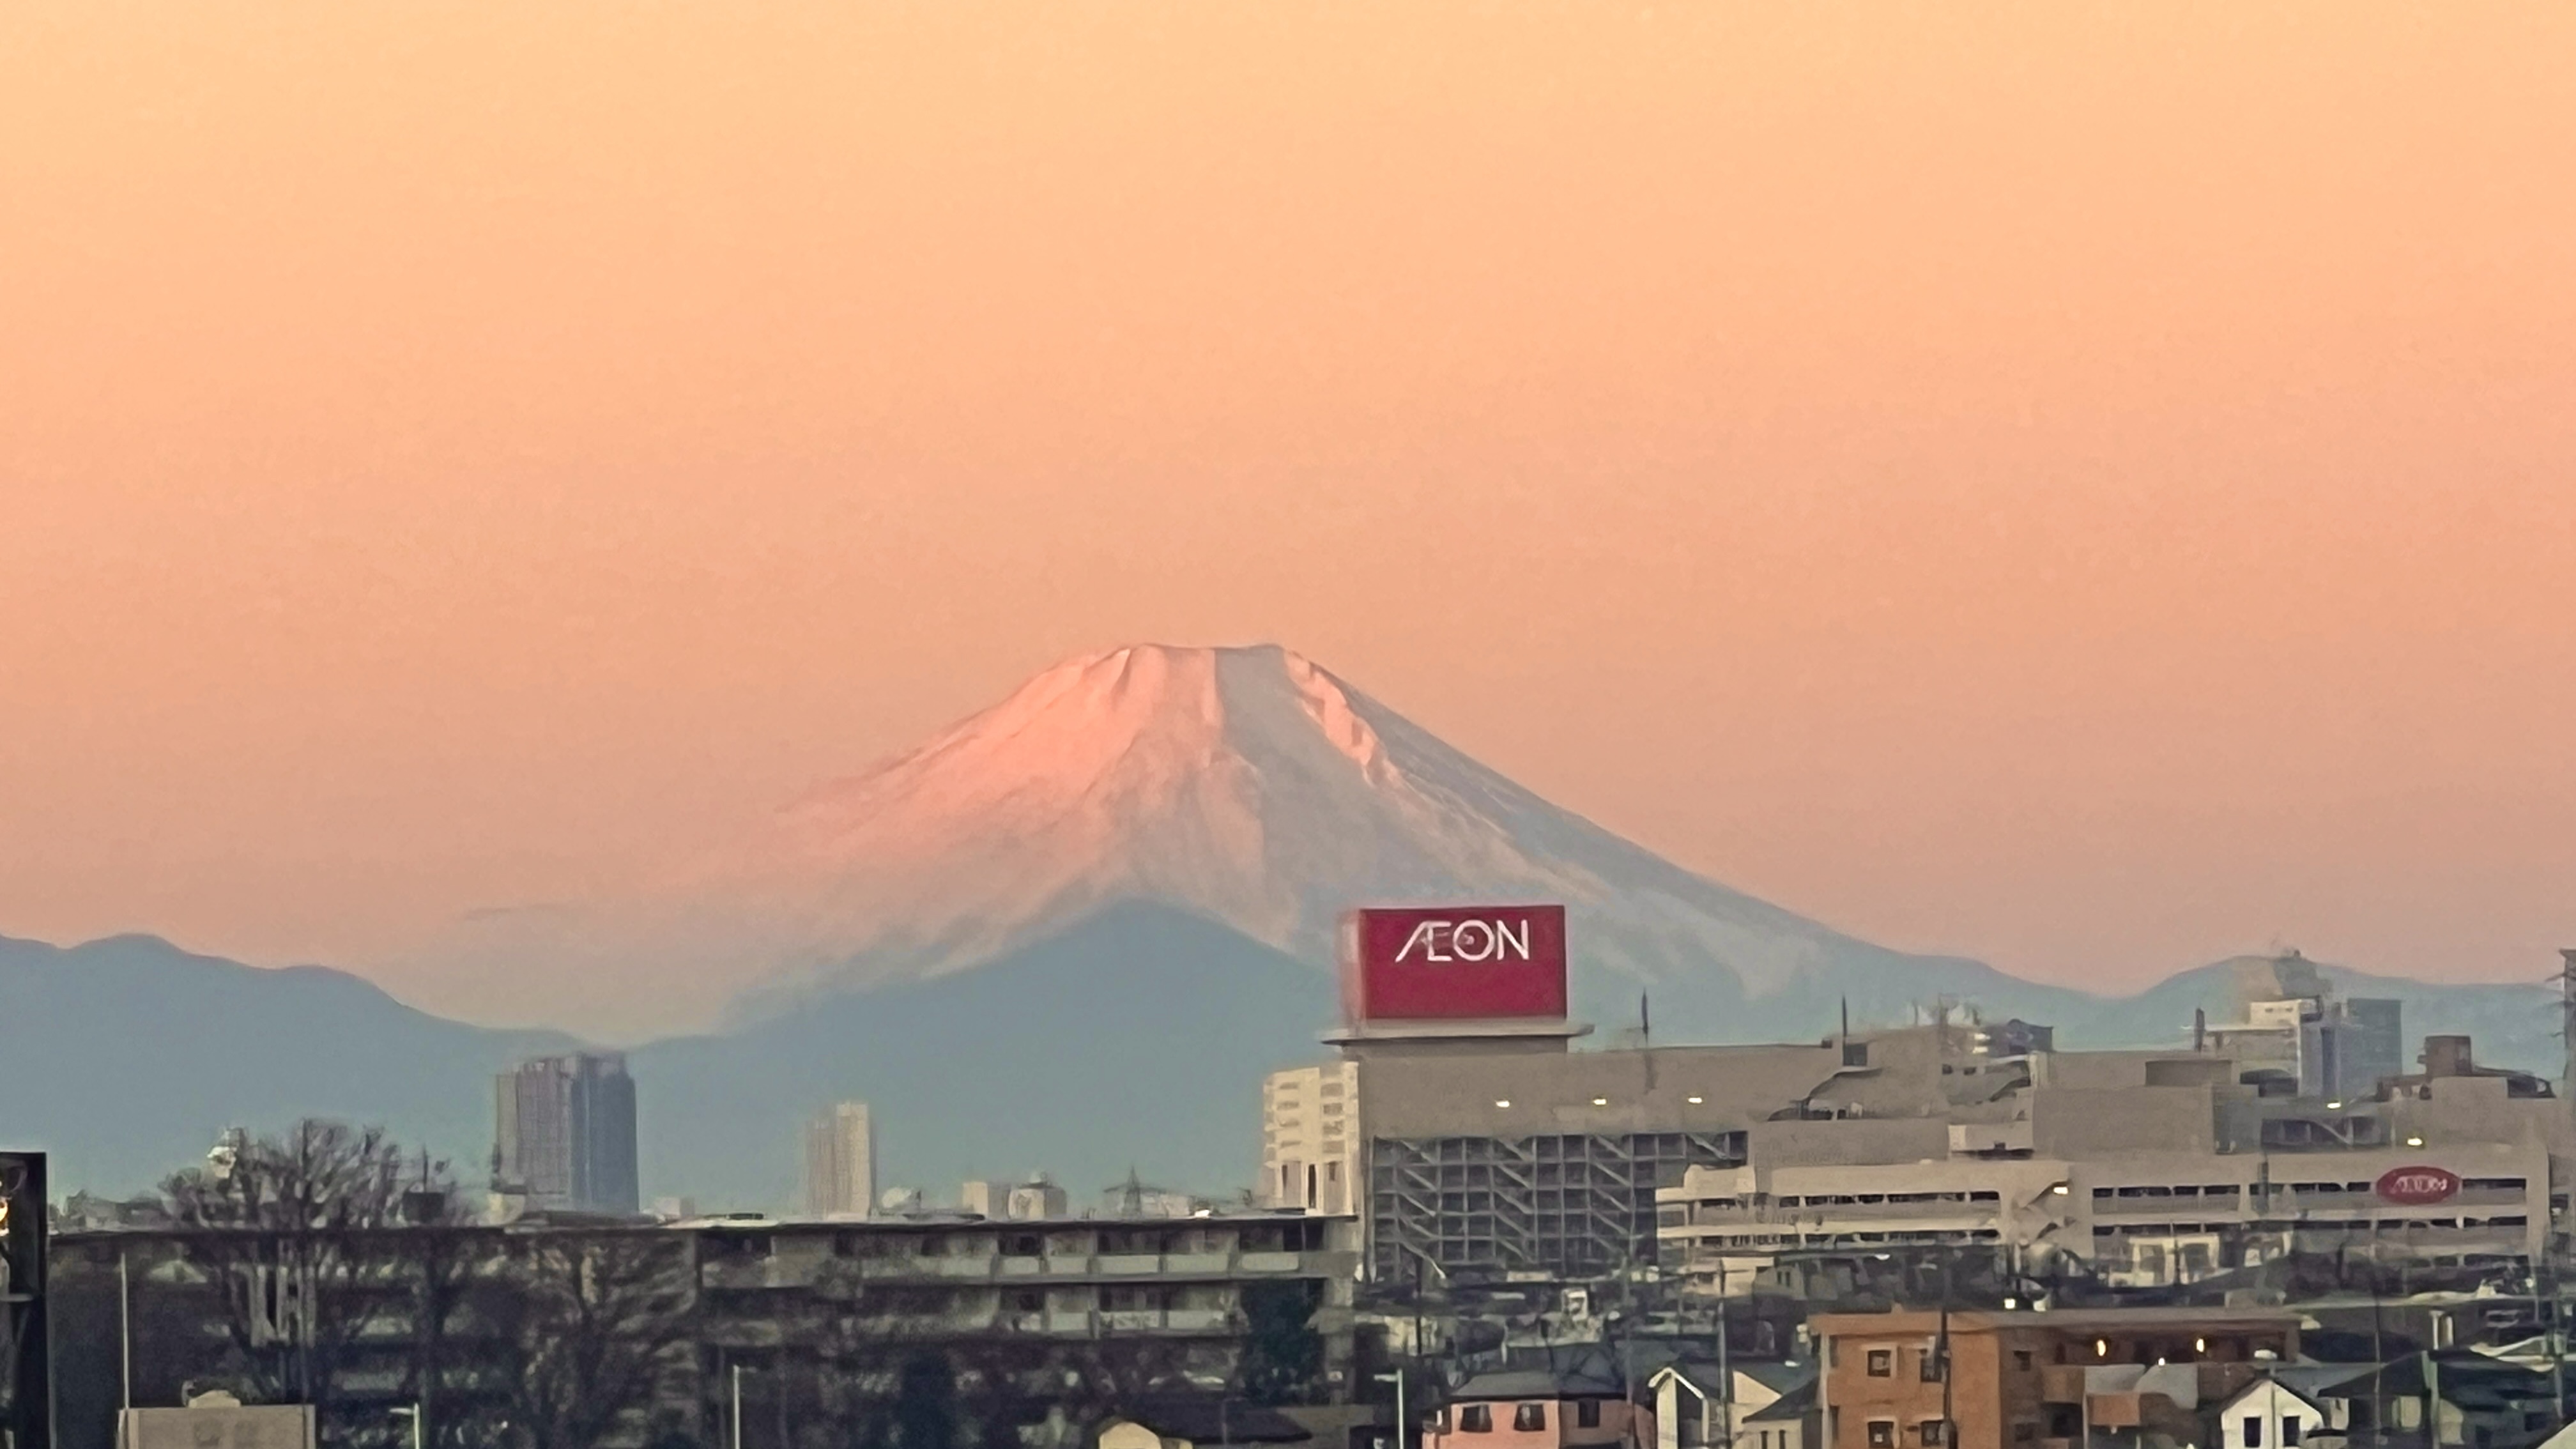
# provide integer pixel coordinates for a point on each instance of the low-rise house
(1696, 1405)
(1539, 1409)
(2271, 1414)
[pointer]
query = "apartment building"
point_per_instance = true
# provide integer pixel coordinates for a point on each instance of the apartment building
(1186, 1283)
(1917, 1380)
(1311, 1141)
(813, 1314)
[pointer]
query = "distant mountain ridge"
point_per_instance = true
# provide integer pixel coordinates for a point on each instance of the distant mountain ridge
(127, 1056)
(1070, 932)
(1136, 1038)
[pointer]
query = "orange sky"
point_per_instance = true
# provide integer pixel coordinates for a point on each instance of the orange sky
(2090, 486)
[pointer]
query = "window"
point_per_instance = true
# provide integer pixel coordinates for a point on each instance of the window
(1932, 1432)
(1882, 1434)
(2289, 1429)
(1529, 1418)
(2253, 1431)
(1856, 1054)
(2021, 1359)
(1587, 1414)
(1882, 1363)
(1928, 1366)
(1476, 1419)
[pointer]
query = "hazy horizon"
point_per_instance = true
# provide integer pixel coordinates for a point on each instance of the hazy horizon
(2086, 490)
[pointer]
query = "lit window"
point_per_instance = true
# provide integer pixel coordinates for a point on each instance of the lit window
(1882, 1364)
(1476, 1419)
(1882, 1434)
(1529, 1418)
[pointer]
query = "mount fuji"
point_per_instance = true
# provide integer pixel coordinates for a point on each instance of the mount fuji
(1245, 786)
(1071, 932)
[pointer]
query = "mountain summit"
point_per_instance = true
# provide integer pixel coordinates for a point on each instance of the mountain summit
(1248, 786)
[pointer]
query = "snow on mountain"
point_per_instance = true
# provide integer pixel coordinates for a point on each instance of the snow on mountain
(1245, 785)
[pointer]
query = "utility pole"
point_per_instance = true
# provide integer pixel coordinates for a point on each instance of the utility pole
(124, 1332)
(1725, 1376)
(1949, 1430)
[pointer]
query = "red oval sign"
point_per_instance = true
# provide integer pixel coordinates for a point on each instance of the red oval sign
(2412, 1185)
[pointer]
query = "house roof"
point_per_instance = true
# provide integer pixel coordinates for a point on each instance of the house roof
(1535, 1384)
(2469, 1379)
(2069, 1320)
(1203, 1419)
(1797, 1403)
(2286, 1383)
(1702, 1376)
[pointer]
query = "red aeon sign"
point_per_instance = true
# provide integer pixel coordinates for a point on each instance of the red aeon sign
(2416, 1185)
(1453, 963)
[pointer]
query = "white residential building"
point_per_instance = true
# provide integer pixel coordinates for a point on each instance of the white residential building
(1311, 1140)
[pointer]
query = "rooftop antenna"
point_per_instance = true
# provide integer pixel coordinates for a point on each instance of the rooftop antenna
(1846, 1042)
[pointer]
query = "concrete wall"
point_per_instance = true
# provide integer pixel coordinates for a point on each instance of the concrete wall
(1528, 1094)
(2089, 1122)
(1850, 1141)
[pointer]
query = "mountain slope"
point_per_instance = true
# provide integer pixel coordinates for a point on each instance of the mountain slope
(1137, 1038)
(1246, 786)
(128, 1056)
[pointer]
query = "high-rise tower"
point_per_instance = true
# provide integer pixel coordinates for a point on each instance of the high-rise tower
(564, 1133)
(841, 1161)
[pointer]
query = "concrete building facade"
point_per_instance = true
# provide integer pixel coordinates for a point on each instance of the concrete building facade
(2147, 1169)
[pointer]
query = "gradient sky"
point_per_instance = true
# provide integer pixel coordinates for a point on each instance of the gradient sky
(2090, 486)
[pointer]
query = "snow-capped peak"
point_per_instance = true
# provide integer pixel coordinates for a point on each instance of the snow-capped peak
(1246, 785)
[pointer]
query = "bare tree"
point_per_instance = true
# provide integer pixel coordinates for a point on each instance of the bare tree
(591, 1323)
(293, 1234)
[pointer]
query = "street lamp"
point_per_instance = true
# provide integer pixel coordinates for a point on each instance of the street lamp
(1397, 1378)
(418, 1419)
